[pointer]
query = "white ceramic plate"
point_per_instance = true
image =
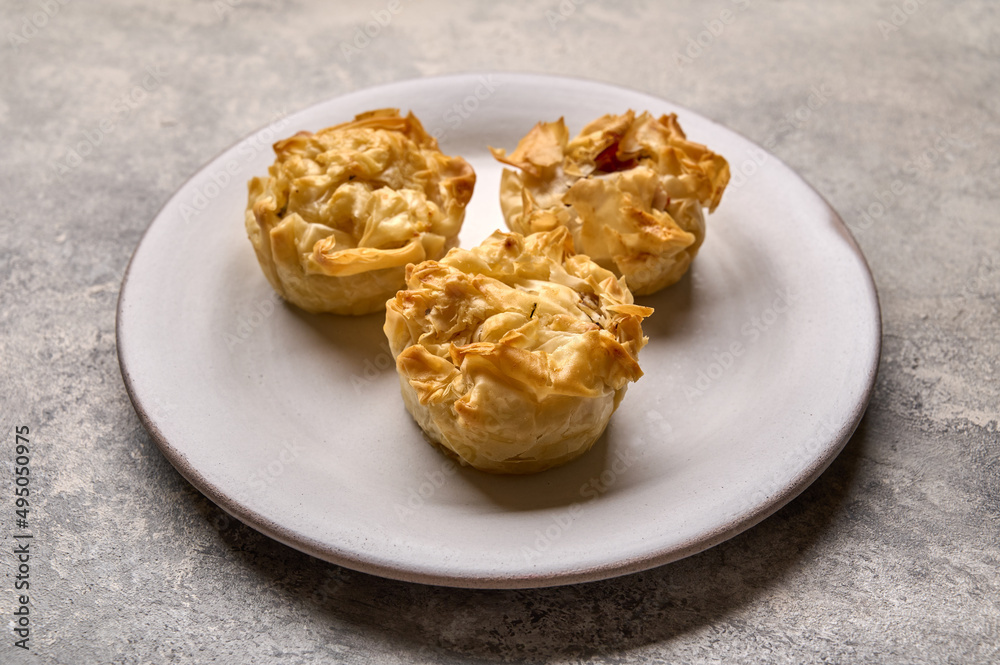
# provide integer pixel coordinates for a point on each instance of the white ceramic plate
(759, 367)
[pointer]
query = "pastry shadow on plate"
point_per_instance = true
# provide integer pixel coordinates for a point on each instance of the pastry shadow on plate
(576, 621)
(554, 488)
(729, 276)
(360, 342)
(672, 307)
(599, 474)
(359, 339)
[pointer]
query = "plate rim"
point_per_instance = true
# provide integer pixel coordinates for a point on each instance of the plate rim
(651, 559)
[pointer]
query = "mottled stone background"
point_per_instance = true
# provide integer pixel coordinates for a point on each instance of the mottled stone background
(891, 556)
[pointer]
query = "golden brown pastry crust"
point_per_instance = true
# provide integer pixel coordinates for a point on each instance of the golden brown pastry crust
(629, 188)
(513, 355)
(345, 209)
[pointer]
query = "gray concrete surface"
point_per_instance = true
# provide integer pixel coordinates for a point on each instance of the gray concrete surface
(891, 556)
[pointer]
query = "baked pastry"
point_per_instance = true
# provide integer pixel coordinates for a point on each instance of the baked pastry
(343, 211)
(513, 355)
(629, 188)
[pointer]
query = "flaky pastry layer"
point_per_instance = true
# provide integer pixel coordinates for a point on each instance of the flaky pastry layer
(514, 354)
(629, 188)
(343, 210)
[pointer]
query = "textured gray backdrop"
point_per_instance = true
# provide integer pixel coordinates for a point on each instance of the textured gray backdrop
(891, 556)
